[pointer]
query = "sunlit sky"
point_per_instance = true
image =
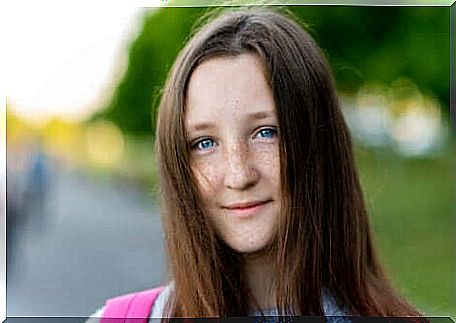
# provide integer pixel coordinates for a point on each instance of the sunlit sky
(65, 60)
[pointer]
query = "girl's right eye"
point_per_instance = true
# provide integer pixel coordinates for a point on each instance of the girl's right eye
(203, 144)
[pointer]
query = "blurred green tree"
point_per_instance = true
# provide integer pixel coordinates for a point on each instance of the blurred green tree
(163, 34)
(363, 44)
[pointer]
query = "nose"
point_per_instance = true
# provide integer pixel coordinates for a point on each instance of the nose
(240, 170)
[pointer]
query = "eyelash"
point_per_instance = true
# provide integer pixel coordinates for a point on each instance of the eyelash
(195, 144)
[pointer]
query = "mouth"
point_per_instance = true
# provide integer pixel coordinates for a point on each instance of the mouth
(246, 209)
(245, 205)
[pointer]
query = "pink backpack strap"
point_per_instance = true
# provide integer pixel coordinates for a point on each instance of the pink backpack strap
(131, 307)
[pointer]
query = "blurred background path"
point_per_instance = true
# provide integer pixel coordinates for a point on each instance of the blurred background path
(80, 234)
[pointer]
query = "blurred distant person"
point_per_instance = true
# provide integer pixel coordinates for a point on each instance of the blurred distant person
(37, 188)
(16, 186)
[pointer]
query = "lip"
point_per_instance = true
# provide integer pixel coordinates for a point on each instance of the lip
(246, 209)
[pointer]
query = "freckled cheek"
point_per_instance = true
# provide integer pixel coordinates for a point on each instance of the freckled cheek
(207, 176)
(268, 163)
(268, 160)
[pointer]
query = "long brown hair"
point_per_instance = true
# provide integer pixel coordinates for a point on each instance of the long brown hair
(324, 240)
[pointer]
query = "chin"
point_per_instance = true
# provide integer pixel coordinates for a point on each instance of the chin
(243, 248)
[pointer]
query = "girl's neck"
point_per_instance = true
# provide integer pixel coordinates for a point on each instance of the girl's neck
(260, 276)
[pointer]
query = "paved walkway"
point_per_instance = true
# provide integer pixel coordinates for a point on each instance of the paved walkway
(88, 241)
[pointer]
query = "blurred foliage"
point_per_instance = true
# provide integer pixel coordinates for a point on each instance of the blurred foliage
(383, 43)
(363, 44)
(410, 203)
(150, 57)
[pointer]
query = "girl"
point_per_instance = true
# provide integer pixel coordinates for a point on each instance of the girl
(262, 205)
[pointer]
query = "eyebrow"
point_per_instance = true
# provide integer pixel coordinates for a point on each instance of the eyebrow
(252, 116)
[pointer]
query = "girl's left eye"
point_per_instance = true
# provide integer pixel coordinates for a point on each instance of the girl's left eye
(267, 133)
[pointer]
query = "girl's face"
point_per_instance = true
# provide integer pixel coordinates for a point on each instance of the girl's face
(232, 130)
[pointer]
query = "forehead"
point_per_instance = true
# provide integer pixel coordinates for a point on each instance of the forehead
(224, 85)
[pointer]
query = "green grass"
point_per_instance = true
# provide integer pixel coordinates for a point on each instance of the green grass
(410, 203)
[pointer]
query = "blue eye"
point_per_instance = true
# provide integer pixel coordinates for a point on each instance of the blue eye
(267, 133)
(203, 144)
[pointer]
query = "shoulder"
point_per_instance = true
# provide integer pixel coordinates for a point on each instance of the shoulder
(138, 304)
(330, 306)
(158, 309)
(95, 317)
